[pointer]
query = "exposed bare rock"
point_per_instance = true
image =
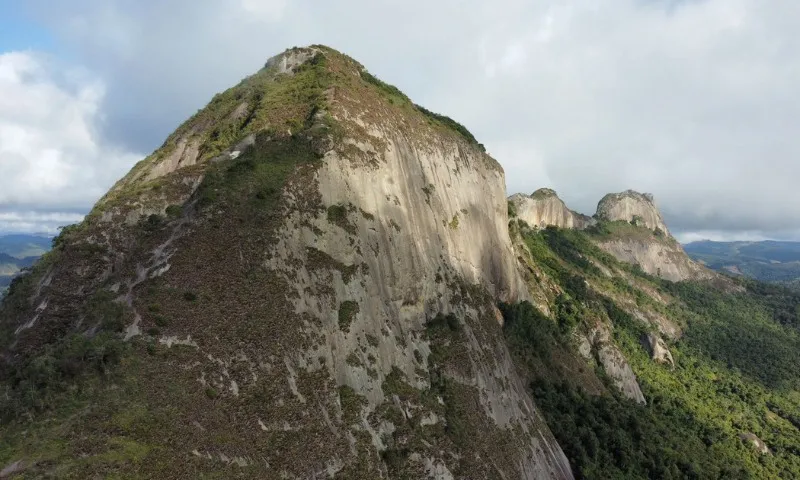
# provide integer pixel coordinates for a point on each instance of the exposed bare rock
(429, 218)
(646, 243)
(659, 257)
(322, 293)
(597, 342)
(287, 62)
(665, 326)
(543, 208)
(634, 207)
(756, 442)
(184, 155)
(12, 468)
(657, 252)
(658, 349)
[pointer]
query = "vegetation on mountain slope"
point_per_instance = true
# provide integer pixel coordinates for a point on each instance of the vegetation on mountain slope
(77, 401)
(736, 371)
(76, 372)
(99, 375)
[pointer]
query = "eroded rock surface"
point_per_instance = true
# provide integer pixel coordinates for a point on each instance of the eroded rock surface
(659, 351)
(598, 343)
(756, 442)
(543, 208)
(660, 257)
(631, 206)
(307, 276)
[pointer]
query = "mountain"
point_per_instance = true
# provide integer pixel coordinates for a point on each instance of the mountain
(24, 246)
(628, 225)
(642, 377)
(768, 261)
(543, 208)
(18, 252)
(314, 277)
(301, 282)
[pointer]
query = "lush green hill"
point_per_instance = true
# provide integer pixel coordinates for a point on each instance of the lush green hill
(768, 261)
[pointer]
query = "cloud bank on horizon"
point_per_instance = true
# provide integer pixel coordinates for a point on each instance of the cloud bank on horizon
(692, 100)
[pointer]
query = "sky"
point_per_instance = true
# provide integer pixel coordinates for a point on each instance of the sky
(694, 101)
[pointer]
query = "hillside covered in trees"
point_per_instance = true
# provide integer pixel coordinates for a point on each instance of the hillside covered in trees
(767, 261)
(733, 376)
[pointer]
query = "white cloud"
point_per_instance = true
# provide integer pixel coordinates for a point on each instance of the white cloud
(36, 222)
(264, 10)
(692, 100)
(51, 157)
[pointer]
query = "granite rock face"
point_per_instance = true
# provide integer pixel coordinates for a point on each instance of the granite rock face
(630, 206)
(597, 343)
(659, 351)
(660, 257)
(308, 271)
(756, 442)
(648, 244)
(543, 208)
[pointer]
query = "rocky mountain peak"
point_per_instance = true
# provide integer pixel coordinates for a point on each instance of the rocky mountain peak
(544, 208)
(544, 193)
(631, 206)
(627, 224)
(308, 269)
(291, 59)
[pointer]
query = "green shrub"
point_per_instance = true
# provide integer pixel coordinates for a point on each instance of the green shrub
(347, 312)
(152, 223)
(66, 233)
(451, 124)
(338, 215)
(442, 322)
(102, 309)
(160, 320)
(526, 324)
(37, 383)
(512, 210)
(390, 90)
(174, 211)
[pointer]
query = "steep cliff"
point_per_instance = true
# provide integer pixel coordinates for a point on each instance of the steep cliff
(634, 231)
(543, 208)
(628, 225)
(657, 256)
(633, 207)
(305, 276)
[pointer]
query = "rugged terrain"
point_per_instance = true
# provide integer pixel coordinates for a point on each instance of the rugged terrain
(543, 208)
(305, 276)
(642, 377)
(627, 225)
(316, 278)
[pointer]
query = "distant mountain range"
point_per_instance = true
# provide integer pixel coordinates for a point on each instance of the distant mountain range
(768, 261)
(18, 252)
